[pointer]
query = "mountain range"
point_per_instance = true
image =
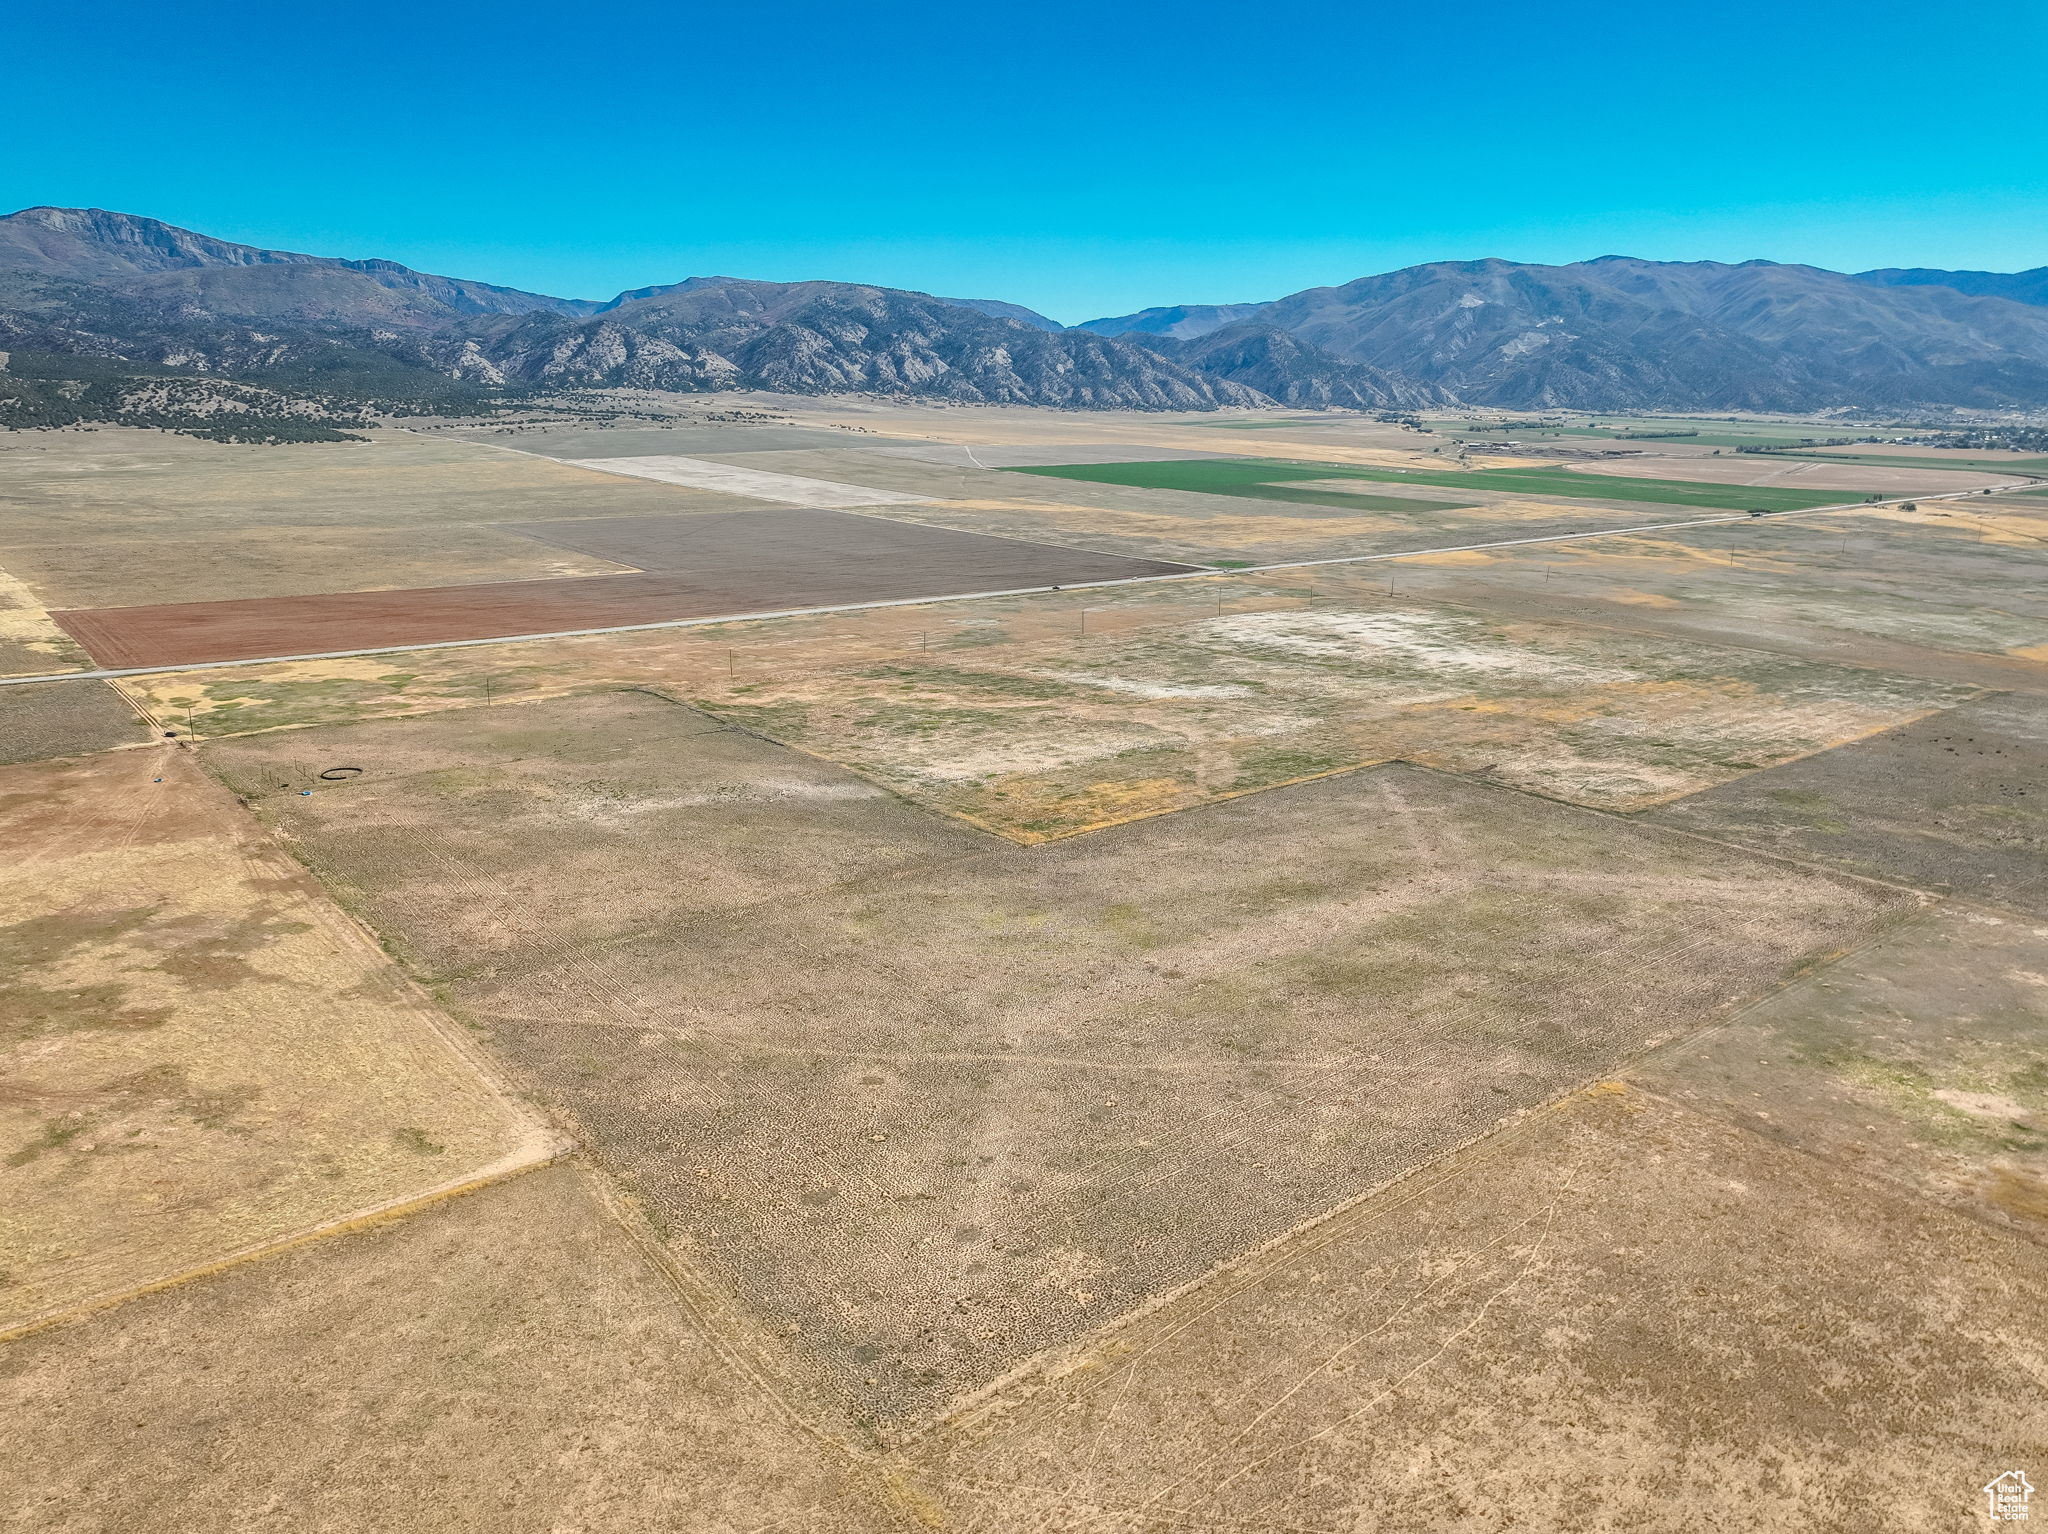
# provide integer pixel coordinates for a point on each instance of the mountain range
(1608, 334)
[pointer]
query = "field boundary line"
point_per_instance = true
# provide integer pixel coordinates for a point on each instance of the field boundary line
(388, 1212)
(701, 1294)
(1905, 1193)
(111, 672)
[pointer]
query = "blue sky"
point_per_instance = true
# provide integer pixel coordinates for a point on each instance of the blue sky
(1083, 159)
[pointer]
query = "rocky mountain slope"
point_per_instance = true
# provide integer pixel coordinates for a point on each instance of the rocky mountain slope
(1621, 333)
(1292, 371)
(1612, 334)
(85, 282)
(830, 337)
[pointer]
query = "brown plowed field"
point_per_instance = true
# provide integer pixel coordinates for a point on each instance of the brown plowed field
(711, 565)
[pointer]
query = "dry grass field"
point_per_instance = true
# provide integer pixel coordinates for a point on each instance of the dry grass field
(1616, 1315)
(202, 1055)
(39, 720)
(1048, 740)
(958, 1128)
(1539, 1038)
(31, 643)
(1922, 1061)
(1956, 803)
(510, 1362)
(122, 518)
(520, 837)
(1954, 590)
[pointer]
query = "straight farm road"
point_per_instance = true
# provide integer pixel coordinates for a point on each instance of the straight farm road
(113, 672)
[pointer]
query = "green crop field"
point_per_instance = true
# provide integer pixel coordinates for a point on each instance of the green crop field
(1254, 479)
(1264, 479)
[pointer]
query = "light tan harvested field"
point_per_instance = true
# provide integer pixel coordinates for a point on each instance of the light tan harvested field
(1168, 524)
(124, 518)
(1617, 1315)
(505, 1363)
(977, 1104)
(201, 1054)
(1914, 450)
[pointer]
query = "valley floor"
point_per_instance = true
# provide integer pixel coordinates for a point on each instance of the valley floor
(1549, 1035)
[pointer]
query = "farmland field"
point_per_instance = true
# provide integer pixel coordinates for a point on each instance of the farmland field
(1103, 1024)
(1617, 1313)
(1953, 591)
(1200, 475)
(766, 560)
(202, 1055)
(1049, 740)
(1472, 1034)
(511, 1360)
(1254, 481)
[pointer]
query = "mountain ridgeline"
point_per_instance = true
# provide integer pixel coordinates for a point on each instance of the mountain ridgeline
(114, 290)
(1618, 333)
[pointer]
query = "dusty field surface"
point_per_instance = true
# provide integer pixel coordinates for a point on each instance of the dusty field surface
(1394, 1149)
(1222, 530)
(1619, 1315)
(1257, 434)
(506, 1363)
(531, 834)
(202, 1054)
(119, 517)
(243, 699)
(1913, 450)
(1036, 741)
(952, 1121)
(746, 562)
(290, 562)
(1922, 1060)
(31, 643)
(740, 479)
(1012, 455)
(1796, 474)
(1956, 803)
(39, 720)
(742, 554)
(1958, 592)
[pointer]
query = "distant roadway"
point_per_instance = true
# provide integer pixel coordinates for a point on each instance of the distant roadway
(973, 596)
